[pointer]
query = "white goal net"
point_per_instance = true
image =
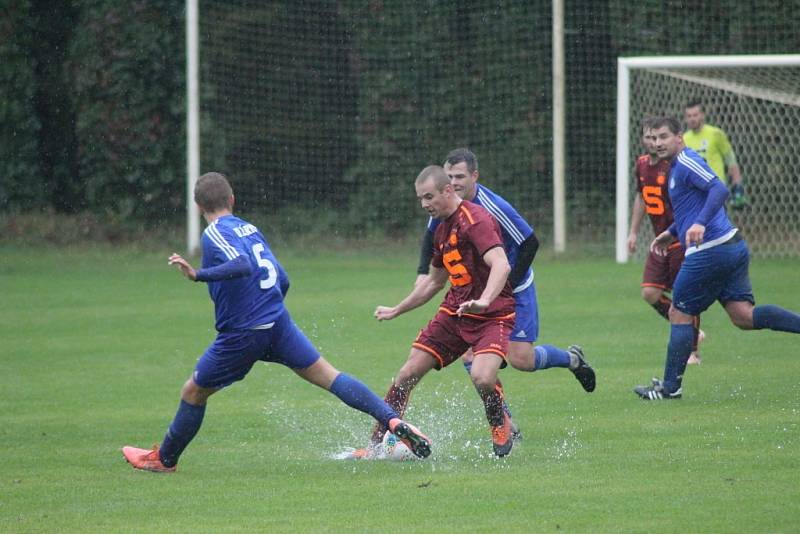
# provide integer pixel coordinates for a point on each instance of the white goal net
(756, 101)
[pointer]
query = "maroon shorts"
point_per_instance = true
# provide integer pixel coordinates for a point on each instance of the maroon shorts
(447, 337)
(660, 271)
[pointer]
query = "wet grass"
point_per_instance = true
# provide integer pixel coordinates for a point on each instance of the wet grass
(96, 343)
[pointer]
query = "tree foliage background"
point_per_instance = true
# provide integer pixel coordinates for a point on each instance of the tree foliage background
(339, 103)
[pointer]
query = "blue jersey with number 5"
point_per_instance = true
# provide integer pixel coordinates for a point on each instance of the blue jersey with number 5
(246, 302)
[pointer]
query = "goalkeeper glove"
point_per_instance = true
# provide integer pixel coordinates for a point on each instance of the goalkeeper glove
(738, 200)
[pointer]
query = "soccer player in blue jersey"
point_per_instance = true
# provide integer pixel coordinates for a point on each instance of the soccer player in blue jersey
(716, 261)
(248, 285)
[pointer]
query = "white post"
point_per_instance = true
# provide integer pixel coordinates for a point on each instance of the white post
(192, 126)
(623, 163)
(559, 130)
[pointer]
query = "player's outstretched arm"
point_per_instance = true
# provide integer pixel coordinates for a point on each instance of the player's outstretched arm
(499, 268)
(184, 266)
(422, 293)
(637, 215)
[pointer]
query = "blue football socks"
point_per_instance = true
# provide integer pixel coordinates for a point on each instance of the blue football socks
(547, 356)
(183, 429)
(356, 395)
(678, 351)
(775, 318)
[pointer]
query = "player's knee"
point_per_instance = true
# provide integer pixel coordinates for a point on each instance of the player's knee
(483, 379)
(194, 394)
(651, 294)
(678, 317)
(742, 321)
(741, 314)
(484, 383)
(520, 356)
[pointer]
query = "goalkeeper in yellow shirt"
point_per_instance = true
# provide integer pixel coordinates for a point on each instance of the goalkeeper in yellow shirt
(713, 145)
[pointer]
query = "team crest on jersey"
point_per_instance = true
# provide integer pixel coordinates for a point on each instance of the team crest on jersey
(453, 239)
(661, 179)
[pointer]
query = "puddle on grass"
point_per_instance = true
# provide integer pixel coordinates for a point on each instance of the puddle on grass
(450, 413)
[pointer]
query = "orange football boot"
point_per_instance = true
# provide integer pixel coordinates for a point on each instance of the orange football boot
(502, 439)
(415, 440)
(147, 460)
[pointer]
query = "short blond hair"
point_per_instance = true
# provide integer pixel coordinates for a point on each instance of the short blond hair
(437, 174)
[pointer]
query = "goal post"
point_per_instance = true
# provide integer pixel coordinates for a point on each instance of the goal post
(755, 99)
(192, 125)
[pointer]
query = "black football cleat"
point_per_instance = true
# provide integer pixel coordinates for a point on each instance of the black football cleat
(583, 372)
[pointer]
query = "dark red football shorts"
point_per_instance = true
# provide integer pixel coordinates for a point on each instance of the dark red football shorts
(448, 336)
(660, 271)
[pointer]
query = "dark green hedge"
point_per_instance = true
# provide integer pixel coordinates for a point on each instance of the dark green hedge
(348, 100)
(126, 71)
(20, 187)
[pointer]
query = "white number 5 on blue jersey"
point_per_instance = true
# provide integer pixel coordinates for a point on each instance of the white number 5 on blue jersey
(272, 272)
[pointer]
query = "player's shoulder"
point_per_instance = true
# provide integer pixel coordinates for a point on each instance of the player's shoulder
(686, 157)
(712, 133)
(473, 212)
(486, 197)
(688, 160)
(213, 228)
(643, 163)
(494, 203)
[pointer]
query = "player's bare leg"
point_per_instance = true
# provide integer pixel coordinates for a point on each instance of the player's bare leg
(658, 299)
(484, 376)
(467, 358)
(418, 364)
(699, 337)
(741, 314)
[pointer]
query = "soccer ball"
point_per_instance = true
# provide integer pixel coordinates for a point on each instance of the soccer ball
(394, 449)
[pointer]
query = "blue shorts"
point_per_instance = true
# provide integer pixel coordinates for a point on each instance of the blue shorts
(718, 273)
(526, 320)
(232, 354)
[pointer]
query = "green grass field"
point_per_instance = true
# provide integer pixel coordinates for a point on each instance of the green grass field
(97, 342)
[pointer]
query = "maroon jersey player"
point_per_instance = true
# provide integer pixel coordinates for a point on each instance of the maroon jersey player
(652, 176)
(477, 311)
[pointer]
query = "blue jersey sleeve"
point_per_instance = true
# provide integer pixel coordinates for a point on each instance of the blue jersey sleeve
(697, 197)
(511, 222)
(699, 174)
(220, 245)
(283, 280)
(235, 268)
